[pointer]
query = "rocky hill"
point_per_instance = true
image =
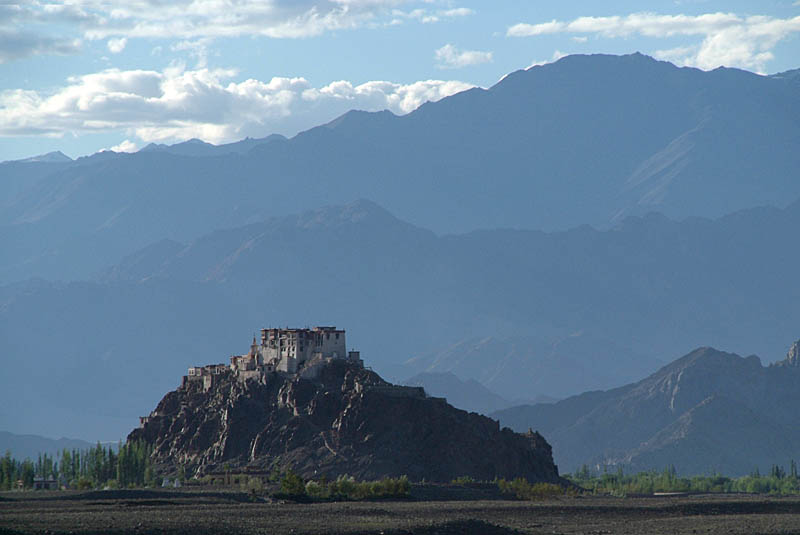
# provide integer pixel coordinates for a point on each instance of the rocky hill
(709, 411)
(346, 421)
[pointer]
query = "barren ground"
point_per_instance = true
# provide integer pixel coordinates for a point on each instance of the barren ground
(182, 511)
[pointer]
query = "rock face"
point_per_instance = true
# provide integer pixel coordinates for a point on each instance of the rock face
(346, 421)
(792, 357)
(709, 411)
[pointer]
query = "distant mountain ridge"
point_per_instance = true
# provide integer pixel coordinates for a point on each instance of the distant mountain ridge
(584, 140)
(708, 411)
(51, 157)
(467, 395)
(30, 446)
(525, 313)
(197, 147)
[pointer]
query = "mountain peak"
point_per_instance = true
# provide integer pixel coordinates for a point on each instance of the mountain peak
(356, 212)
(51, 157)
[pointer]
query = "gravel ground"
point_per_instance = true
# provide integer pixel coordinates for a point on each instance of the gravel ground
(179, 512)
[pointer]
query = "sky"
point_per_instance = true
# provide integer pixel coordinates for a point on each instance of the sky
(89, 75)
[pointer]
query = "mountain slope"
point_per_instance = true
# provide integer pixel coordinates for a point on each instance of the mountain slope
(585, 140)
(467, 395)
(707, 411)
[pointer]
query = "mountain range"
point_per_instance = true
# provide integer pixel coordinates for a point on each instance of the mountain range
(525, 313)
(707, 412)
(509, 239)
(584, 140)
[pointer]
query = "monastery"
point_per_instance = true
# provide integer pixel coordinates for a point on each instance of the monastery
(288, 352)
(285, 351)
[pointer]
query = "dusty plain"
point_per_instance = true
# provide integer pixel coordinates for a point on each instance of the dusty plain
(206, 512)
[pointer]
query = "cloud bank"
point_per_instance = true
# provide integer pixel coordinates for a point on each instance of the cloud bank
(728, 39)
(177, 104)
(32, 27)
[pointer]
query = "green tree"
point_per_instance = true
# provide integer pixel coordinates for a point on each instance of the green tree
(27, 473)
(293, 484)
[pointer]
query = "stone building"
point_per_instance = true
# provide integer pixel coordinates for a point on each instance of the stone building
(207, 374)
(287, 350)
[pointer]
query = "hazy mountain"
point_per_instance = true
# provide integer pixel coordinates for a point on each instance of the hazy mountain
(708, 411)
(793, 74)
(525, 313)
(50, 157)
(469, 395)
(197, 147)
(30, 446)
(543, 365)
(584, 140)
(19, 177)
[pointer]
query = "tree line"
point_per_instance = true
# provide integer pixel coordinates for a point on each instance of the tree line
(777, 481)
(100, 466)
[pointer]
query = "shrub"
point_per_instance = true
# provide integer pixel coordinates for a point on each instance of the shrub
(524, 490)
(84, 483)
(252, 485)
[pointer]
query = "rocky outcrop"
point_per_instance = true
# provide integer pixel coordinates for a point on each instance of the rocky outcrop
(792, 359)
(346, 421)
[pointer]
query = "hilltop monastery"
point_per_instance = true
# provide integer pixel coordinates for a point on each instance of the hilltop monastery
(288, 352)
(285, 351)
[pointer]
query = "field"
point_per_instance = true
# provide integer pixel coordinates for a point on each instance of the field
(181, 511)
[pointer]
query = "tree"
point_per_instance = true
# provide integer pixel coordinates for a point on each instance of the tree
(292, 484)
(27, 473)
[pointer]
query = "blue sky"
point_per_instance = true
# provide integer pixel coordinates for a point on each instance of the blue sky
(91, 75)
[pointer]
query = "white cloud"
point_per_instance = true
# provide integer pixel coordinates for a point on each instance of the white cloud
(198, 49)
(125, 146)
(529, 30)
(457, 12)
(427, 16)
(450, 57)
(728, 39)
(209, 104)
(190, 20)
(115, 46)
